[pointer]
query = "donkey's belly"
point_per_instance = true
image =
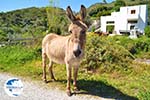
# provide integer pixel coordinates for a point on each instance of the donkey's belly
(57, 60)
(56, 51)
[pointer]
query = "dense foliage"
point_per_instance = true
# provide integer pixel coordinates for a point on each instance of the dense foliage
(118, 4)
(56, 23)
(110, 28)
(104, 53)
(99, 11)
(114, 53)
(22, 23)
(147, 31)
(31, 22)
(136, 47)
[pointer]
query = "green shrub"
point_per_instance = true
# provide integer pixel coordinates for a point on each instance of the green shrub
(118, 4)
(3, 36)
(147, 31)
(110, 28)
(145, 95)
(114, 53)
(134, 46)
(93, 29)
(102, 53)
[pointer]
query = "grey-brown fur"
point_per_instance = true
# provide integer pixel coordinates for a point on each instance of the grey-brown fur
(66, 49)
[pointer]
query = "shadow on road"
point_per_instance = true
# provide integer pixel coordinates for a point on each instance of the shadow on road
(99, 88)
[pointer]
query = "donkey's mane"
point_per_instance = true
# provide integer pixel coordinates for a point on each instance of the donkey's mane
(78, 17)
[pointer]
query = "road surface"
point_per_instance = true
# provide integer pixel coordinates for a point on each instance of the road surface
(37, 90)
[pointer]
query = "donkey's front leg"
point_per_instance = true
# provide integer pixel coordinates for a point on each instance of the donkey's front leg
(68, 67)
(75, 70)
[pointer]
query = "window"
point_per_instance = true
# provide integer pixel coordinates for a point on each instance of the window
(132, 27)
(110, 22)
(133, 21)
(133, 11)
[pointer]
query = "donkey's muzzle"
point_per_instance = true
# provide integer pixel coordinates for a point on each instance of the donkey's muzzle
(77, 53)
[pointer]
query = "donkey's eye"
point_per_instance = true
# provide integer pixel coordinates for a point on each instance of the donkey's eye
(83, 32)
(70, 31)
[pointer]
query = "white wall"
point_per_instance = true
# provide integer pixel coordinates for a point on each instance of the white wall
(143, 18)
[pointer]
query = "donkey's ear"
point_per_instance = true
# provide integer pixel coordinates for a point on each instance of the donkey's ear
(70, 14)
(83, 12)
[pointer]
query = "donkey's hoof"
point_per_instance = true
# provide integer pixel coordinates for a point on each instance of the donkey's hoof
(75, 89)
(69, 93)
(45, 81)
(53, 80)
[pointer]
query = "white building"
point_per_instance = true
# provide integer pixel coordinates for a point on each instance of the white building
(128, 18)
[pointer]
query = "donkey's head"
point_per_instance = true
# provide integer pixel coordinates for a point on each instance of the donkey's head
(77, 29)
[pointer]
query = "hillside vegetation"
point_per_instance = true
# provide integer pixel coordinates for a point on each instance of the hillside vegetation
(35, 22)
(31, 22)
(23, 23)
(108, 69)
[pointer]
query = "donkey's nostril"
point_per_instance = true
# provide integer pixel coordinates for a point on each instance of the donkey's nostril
(77, 53)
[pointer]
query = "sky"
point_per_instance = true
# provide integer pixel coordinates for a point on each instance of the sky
(9, 5)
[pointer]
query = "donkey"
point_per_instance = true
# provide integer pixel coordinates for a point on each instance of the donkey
(66, 49)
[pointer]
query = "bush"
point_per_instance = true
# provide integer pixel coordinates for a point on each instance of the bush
(147, 31)
(119, 3)
(113, 53)
(110, 28)
(136, 46)
(3, 36)
(100, 10)
(103, 13)
(144, 95)
(102, 53)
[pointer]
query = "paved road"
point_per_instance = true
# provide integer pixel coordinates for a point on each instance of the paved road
(35, 90)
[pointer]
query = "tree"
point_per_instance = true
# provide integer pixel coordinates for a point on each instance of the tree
(54, 21)
(104, 1)
(118, 4)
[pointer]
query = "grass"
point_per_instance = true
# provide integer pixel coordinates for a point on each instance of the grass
(133, 85)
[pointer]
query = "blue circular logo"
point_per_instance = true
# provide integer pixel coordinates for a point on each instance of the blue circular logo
(13, 87)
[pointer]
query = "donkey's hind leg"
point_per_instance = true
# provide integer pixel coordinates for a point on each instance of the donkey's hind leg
(44, 66)
(50, 68)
